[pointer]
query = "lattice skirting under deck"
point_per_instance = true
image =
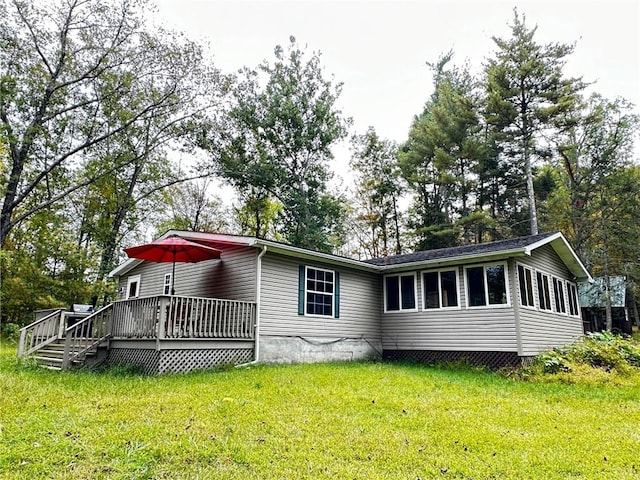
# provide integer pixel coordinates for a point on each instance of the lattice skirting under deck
(493, 360)
(178, 360)
(146, 360)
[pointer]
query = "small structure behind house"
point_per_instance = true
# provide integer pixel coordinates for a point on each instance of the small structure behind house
(593, 300)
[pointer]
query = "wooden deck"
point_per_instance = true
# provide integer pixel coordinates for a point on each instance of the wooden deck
(159, 323)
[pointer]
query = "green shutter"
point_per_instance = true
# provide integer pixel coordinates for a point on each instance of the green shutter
(301, 281)
(336, 296)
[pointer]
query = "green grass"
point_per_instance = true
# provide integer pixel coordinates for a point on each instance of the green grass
(344, 421)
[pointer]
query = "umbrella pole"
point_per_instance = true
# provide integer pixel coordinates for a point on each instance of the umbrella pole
(173, 275)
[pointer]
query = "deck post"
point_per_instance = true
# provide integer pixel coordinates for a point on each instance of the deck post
(66, 356)
(62, 325)
(163, 311)
(23, 340)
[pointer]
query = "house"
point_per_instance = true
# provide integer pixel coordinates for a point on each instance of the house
(493, 303)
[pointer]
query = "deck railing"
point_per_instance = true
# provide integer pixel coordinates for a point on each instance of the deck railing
(176, 317)
(86, 335)
(136, 318)
(39, 333)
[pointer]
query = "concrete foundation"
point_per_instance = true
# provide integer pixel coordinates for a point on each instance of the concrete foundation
(312, 350)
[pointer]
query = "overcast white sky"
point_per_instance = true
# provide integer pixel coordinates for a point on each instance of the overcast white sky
(378, 49)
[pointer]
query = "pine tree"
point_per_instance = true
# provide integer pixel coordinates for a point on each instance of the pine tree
(526, 92)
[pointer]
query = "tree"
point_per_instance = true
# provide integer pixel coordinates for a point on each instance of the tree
(282, 126)
(76, 75)
(43, 266)
(526, 92)
(595, 201)
(377, 193)
(596, 140)
(439, 160)
(191, 207)
(257, 215)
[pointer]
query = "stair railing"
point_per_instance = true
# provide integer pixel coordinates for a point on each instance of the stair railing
(40, 333)
(87, 334)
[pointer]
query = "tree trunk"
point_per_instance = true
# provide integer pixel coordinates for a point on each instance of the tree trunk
(396, 223)
(607, 282)
(531, 195)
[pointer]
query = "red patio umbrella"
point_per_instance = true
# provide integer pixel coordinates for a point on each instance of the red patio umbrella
(173, 249)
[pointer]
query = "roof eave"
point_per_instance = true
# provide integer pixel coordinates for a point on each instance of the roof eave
(442, 262)
(570, 259)
(303, 253)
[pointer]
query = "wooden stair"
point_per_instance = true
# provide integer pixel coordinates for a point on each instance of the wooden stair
(51, 356)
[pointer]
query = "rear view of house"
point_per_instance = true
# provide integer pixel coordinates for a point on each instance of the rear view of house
(493, 303)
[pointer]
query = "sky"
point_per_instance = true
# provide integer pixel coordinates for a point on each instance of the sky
(379, 49)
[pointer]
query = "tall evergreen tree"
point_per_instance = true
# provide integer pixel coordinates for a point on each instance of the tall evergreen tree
(596, 140)
(439, 160)
(526, 92)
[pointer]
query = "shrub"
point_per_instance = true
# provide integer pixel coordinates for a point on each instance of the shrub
(604, 352)
(10, 331)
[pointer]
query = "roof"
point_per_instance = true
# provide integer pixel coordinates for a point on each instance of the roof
(479, 249)
(429, 258)
(514, 247)
(222, 241)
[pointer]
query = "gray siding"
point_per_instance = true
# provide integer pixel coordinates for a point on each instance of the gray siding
(511, 328)
(463, 329)
(539, 329)
(235, 276)
(232, 277)
(360, 303)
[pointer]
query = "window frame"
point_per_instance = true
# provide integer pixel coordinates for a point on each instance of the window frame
(562, 297)
(484, 267)
(307, 291)
(166, 286)
(540, 275)
(439, 272)
(415, 292)
(573, 288)
(531, 289)
(130, 280)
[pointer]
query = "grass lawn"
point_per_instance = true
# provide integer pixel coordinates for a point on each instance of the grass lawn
(343, 421)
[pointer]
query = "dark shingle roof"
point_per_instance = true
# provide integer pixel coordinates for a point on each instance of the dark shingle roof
(467, 250)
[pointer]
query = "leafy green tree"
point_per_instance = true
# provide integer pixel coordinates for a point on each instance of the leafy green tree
(526, 92)
(43, 266)
(282, 126)
(191, 207)
(74, 76)
(595, 200)
(258, 213)
(596, 140)
(378, 220)
(91, 99)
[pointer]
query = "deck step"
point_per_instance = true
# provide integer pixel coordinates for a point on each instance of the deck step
(52, 356)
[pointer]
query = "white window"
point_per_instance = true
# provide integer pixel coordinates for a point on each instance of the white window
(400, 292)
(558, 294)
(133, 286)
(166, 289)
(319, 291)
(440, 289)
(525, 281)
(572, 291)
(487, 285)
(544, 291)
